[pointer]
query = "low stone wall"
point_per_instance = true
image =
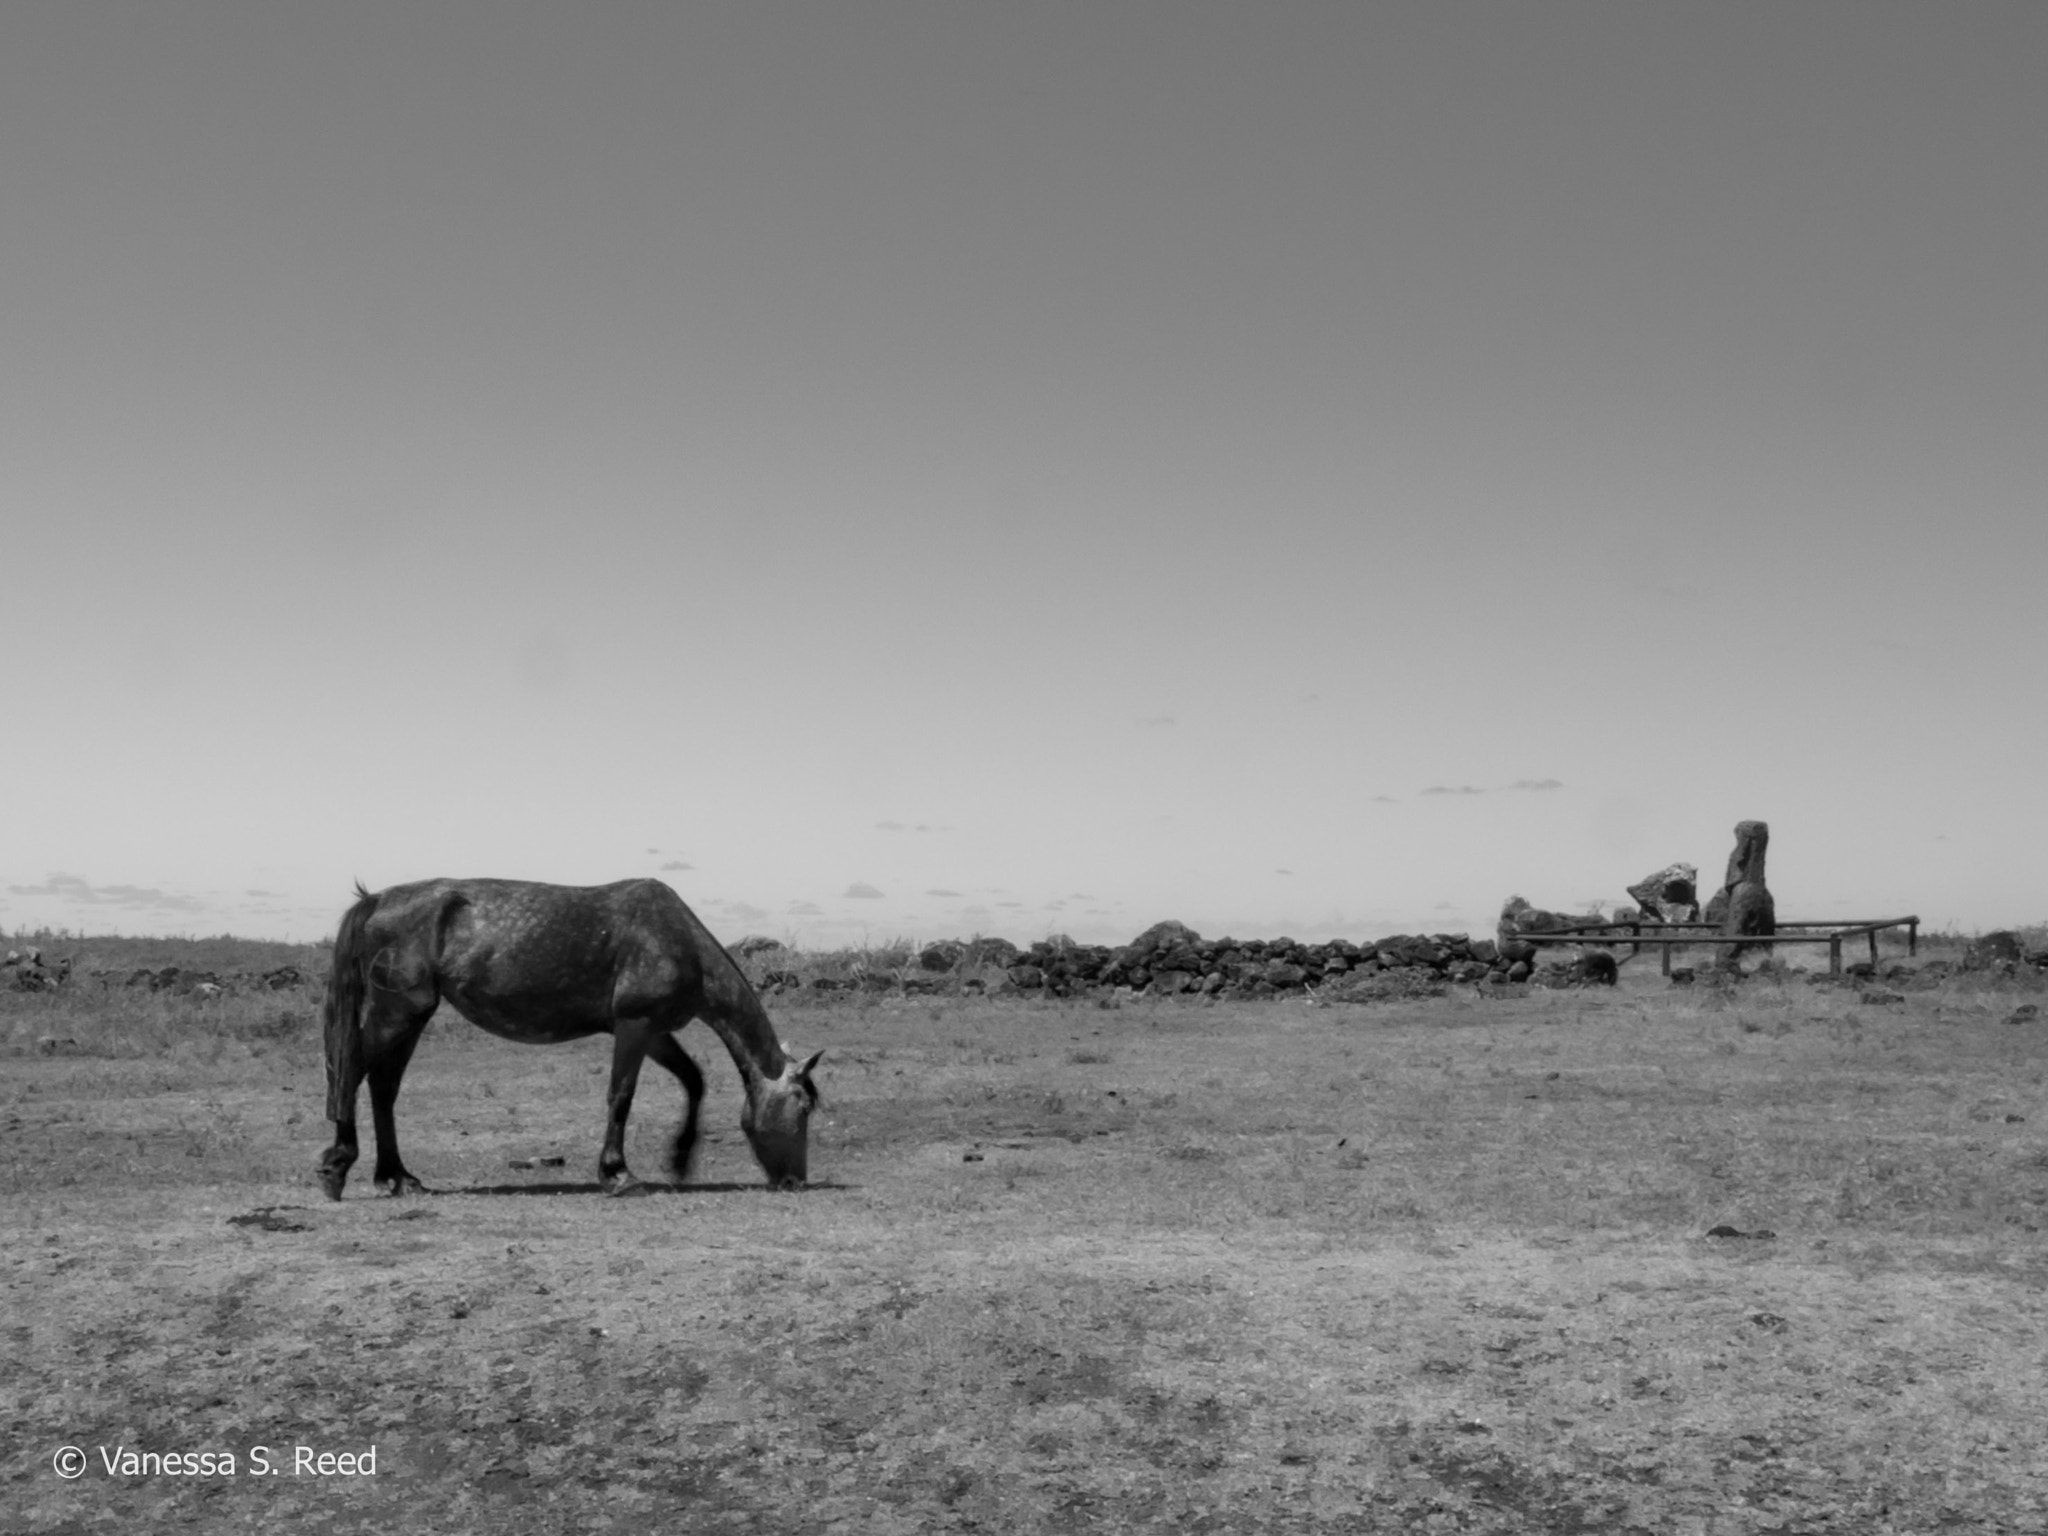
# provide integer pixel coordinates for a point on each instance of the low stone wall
(1167, 960)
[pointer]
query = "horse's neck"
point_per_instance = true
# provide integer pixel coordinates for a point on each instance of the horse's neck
(735, 1012)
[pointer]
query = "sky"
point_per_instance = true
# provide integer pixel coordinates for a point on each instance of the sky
(917, 469)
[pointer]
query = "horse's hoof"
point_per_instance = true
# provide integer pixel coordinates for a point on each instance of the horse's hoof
(625, 1186)
(330, 1186)
(406, 1184)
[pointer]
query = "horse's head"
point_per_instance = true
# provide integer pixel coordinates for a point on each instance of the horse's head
(777, 1121)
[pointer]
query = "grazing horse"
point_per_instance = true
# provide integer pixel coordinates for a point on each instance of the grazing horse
(542, 964)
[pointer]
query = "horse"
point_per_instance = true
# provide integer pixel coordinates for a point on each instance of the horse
(542, 964)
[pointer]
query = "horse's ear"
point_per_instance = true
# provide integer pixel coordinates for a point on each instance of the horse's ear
(805, 1069)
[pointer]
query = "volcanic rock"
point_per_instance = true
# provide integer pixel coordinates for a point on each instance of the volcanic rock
(1992, 949)
(1671, 895)
(941, 956)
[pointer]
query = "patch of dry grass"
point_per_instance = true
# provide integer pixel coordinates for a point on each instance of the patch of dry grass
(1435, 1265)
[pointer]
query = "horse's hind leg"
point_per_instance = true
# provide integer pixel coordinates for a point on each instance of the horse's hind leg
(336, 1161)
(631, 1040)
(664, 1049)
(385, 1046)
(384, 1074)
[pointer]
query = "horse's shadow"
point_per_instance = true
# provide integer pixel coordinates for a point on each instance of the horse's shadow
(637, 1192)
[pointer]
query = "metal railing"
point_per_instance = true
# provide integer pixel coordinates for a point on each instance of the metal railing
(1669, 936)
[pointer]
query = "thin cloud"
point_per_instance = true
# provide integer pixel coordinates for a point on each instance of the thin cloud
(804, 909)
(890, 826)
(745, 912)
(62, 887)
(677, 864)
(265, 895)
(1537, 784)
(1444, 789)
(939, 890)
(1157, 722)
(1283, 871)
(1384, 800)
(864, 891)
(654, 850)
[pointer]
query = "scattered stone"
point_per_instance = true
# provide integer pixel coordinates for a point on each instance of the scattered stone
(1878, 996)
(1992, 950)
(1166, 935)
(1403, 949)
(1518, 916)
(945, 955)
(1596, 968)
(32, 973)
(2026, 1013)
(1000, 953)
(1682, 976)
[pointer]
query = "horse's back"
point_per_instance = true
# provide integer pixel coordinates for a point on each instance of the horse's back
(518, 956)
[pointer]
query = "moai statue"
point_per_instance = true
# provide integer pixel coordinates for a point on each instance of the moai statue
(1672, 895)
(1743, 905)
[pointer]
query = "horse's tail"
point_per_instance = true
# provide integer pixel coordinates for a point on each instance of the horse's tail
(346, 985)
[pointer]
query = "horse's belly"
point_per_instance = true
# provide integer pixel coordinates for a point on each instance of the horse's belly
(539, 1021)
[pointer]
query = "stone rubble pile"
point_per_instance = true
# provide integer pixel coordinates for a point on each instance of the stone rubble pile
(30, 972)
(182, 982)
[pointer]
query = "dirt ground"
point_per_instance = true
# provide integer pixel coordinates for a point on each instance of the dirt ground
(1435, 1266)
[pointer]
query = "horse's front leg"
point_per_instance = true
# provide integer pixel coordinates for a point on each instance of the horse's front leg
(630, 1039)
(662, 1046)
